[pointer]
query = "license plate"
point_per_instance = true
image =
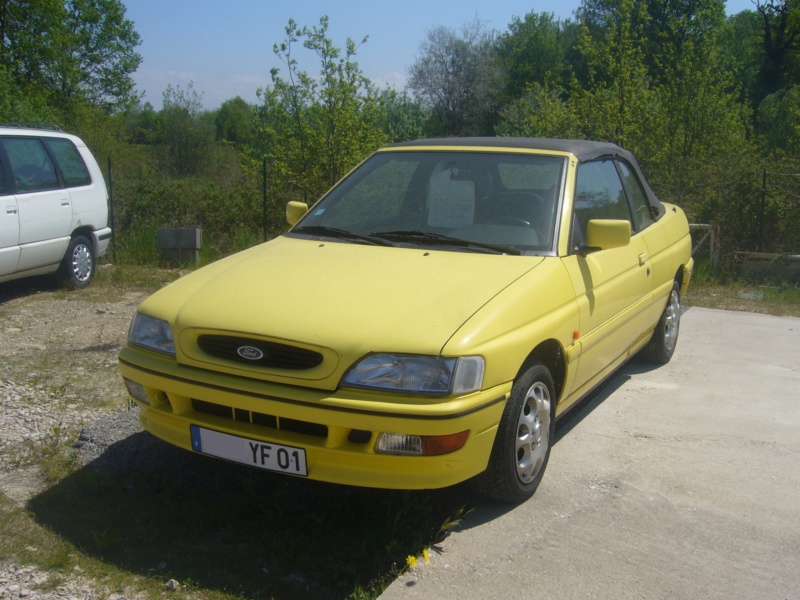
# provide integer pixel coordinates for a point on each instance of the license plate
(264, 455)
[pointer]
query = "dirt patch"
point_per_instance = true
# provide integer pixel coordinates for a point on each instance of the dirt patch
(58, 366)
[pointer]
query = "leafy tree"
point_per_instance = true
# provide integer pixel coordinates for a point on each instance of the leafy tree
(541, 112)
(780, 38)
(184, 136)
(234, 121)
(76, 50)
(779, 121)
(458, 78)
(657, 80)
(141, 123)
(312, 130)
(616, 103)
(401, 118)
(22, 104)
(537, 49)
(739, 44)
(699, 95)
(100, 56)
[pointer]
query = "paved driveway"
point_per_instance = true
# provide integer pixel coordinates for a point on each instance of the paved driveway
(676, 482)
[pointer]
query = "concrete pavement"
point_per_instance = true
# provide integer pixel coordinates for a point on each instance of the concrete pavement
(681, 481)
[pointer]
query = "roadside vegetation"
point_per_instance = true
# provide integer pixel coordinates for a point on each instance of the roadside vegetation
(709, 104)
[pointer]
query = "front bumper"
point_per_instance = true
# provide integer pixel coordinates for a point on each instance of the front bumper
(338, 430)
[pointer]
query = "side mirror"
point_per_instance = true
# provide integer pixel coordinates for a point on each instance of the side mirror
(295, 210)
(604, 234)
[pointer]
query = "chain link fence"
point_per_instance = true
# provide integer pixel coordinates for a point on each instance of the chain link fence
(756, 206)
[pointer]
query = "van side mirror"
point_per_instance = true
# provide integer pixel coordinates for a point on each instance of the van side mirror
(604, 234)
(295, 210)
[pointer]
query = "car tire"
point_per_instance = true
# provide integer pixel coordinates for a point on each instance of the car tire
(524, 437)
(662, 344)
(78, 265)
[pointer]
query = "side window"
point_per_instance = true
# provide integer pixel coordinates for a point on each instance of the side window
(642, 217)
(32, 168)
(598, 195)
(71, 162)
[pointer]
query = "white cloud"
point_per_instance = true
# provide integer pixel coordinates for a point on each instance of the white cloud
(394, 79)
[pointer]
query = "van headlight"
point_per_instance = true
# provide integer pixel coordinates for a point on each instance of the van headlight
(417, 374)
(151, 333)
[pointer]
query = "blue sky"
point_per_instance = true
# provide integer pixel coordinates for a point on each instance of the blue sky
(225, 47)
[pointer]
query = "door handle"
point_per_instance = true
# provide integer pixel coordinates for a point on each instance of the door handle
(65, 202)
(11, 210)
(643, 259)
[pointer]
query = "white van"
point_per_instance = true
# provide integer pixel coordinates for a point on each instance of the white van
(53, 206)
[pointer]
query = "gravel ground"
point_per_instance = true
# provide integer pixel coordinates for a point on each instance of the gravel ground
(58, 381)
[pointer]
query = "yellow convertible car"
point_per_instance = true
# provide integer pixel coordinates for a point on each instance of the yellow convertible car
(426, 322)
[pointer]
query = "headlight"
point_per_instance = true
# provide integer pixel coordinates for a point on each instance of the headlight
(150, 333)
(417, 374)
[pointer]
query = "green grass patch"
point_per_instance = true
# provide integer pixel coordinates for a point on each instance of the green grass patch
(736, 293)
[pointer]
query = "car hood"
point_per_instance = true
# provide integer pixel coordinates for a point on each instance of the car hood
(348, 298)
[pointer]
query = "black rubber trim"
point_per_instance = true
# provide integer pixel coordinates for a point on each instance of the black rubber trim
(357, 411)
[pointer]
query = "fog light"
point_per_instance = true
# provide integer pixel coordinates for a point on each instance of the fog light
(136, 390)
(420, 445)
(397, 443)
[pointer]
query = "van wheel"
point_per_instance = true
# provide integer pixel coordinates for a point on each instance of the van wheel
(77, 268)
(522, 446)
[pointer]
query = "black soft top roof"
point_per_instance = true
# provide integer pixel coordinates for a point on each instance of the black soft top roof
(583, 150)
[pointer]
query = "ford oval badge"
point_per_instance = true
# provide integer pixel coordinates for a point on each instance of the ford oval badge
(249, 353)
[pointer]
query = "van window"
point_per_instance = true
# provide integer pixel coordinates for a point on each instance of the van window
(69, 159)
(33, 170)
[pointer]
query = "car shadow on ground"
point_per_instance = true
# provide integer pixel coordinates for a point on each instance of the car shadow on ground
(165, 513)
(30, 286)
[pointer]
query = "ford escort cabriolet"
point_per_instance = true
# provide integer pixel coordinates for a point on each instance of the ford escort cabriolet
(426, 322)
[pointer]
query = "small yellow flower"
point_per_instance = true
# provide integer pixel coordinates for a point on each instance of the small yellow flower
(426, 555)
(411, 561)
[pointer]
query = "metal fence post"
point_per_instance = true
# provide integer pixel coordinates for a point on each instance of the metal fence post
(761, 212)
(111, 211)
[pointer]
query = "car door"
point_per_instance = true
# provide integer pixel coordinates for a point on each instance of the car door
(9, 227)
(44, 206)
(612, 286)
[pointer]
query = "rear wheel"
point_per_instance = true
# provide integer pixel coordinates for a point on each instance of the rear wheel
(78, 266)
(524, 437)
(661, 346)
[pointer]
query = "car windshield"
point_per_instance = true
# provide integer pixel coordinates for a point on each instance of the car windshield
(462, 201)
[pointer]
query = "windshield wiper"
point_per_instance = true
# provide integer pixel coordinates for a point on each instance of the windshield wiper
(403, 235)
(341, 234)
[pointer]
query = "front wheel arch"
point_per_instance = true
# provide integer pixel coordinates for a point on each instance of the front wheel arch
(549, 353)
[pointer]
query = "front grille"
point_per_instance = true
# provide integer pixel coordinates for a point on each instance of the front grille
(272, 355)
(246, 416)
